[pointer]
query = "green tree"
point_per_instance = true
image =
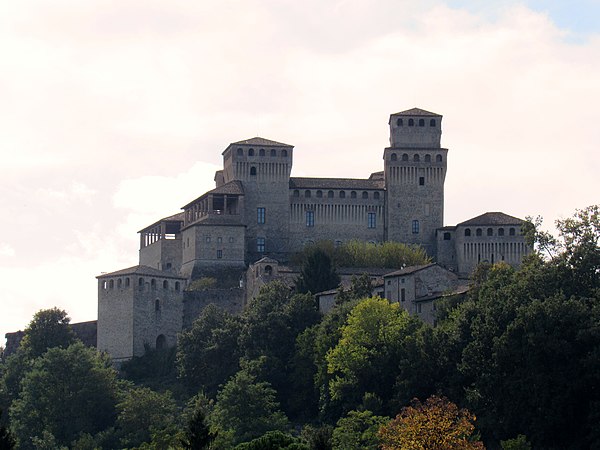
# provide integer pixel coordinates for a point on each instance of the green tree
(49, 328)
(273, 440)
(317, 273)
(197, 434)
(357, 431)
(247, 408)
(360, 287)
(6, 440)
(68, 391)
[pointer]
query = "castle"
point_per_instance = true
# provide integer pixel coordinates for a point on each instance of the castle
(258, 215)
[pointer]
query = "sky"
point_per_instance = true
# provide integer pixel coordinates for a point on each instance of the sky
(114, 113)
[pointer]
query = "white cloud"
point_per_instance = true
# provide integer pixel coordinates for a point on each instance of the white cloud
(6, 249)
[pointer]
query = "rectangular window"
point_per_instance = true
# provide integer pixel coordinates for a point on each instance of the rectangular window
(389, 295)
(372, 220)
(260, 215)
(418, 308)
(219, 254)
(260, 245)
(310, 218)
(415, 227)
(402, 294)
(421, 181)
(219, 240)
(207, 239)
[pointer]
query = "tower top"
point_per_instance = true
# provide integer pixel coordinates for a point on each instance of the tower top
(416, 112)
(415, 128)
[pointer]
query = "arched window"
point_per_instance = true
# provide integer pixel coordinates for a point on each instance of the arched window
(261, 152)
(161, 342)
(319, 194)
(251, 152)
(240, 151)
(111, 284)
(177, 285)
(468, 232)
(329, 194)
(404, 157)
(157, 305)
(511, 231)
(421, 122)
(394, 157)
(268, 270)
(165, 284)
(253, 170)
(127, 282)
(342, 194)
(399, 123)
(307, 194)
(284, 153)
(376, 195)
(478, 232)
(119, 283)
(411, 123)
(428, 158)
(432, 123)
(353, 194)
(490, 232)
(438, 158)
(273, 152)
(140, 282)
(500, 231)
(365, 195)
(296, 193)
(416, 158)
(153, 283)
(447, 236)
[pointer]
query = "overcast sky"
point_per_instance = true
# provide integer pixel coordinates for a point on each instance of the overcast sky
(114, 114)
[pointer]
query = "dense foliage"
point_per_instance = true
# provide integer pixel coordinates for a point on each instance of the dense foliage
(521, 353)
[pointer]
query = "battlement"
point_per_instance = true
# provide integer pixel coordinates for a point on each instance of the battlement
(415, 128)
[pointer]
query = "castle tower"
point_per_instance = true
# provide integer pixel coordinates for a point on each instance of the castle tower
(414, 171)
(263, 167)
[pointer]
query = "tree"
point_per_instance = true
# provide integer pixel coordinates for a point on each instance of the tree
(68, 391)
(273, 440)
(317, 273)
(360, 287)
(197, 434)
(49, 328)
(6, 440)
(436, 425)
(247, 408)
(357, 431)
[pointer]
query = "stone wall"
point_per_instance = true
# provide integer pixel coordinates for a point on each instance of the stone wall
(194, 302)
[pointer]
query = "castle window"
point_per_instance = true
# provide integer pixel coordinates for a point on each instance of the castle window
(415, 227)
(418, 308)
(105, 285)
(251, 152)
(168, 265)
(310, 218)
(500, 231)
(207, 239)
(319, 194)
(273, 152)
(153, 283)
(394, 157)
(252, 170)
(260, 215)
(376, 195)
(399, 122)
(427, 158)
(119, 283)
(416, 158)
(284, 153)
(219, 240)
(307, 194)
(511, 231)
(161, 342)
(490, 232)
(365, 195)
(157, 305)
(338, 243)
(140, 282)
(165, 284)
(411, 123)
(127, 282)
(111, 284)
(353, 194)
(432, 123)
(219, 254)
(240, 152)
(261, 152)
(371, 220)
(421, 181)
(342, 194)
(268, 270)
(468, 232)
(296, 193)
(177, 285)
(329, 194)
(402, 294)
(231, 240)
(260, 244)
(447, 236)
(404, 157)
(438, 158)
(421, 122)
(478, 232)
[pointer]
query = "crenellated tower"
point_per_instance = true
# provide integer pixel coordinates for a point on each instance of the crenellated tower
(414, 171)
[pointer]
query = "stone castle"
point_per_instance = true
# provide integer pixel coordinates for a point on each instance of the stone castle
(258, 216)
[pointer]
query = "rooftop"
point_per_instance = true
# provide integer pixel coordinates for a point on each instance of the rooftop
(492, 218)
(416, 112)
(141, 270)
(261, 141)
(409, 270)
(335, 183)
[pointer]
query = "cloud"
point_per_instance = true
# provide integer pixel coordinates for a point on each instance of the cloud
(6, 249)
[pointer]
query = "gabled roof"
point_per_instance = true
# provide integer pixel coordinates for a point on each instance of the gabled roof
(234, 187)
(141, 270)
(409, 270)
(334, 183)
(416, 112)
(261, 141)
(492, 218)
(179, 217)
(266, 259)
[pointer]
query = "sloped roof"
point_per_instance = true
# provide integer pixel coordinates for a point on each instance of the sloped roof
(335, 183)
(409, 270)
(492, 218)
(261, 141)
(141, 270)
(179, 217)
(234, 187)
(416, 112)
(218, 219)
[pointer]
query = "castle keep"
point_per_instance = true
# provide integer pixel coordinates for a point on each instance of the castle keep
(258, 210)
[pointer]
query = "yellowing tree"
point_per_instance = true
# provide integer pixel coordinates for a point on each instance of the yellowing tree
(436, 425)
